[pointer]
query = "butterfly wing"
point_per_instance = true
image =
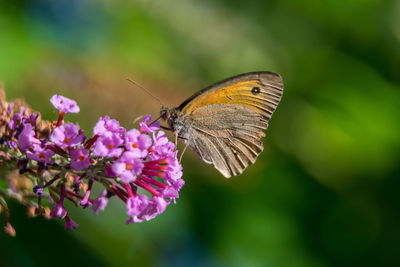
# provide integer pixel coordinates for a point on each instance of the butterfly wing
(229, 142)
(225, 122)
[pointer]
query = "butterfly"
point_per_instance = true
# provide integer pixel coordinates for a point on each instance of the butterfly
(224, 122)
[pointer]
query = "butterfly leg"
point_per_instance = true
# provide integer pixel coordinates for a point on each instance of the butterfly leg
(183, 151)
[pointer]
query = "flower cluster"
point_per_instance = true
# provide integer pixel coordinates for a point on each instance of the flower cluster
(59, 162)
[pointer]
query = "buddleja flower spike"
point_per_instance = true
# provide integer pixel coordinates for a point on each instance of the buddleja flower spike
(47, 163)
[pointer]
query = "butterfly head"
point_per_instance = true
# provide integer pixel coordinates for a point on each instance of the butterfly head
(164, 113)
(171, 116)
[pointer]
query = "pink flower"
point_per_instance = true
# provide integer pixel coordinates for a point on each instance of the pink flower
(137, 143)
(172, 191)
(108, 145)
(27, 137)
(149, 128)
(178, 184)
(100, 203)
(85, 202)
(15, 121)
(139, 208)
(67, 135)
(106, 125)
(136, 204)
(64, 104)
(128, 167)
(69, 223)
(40, 154)
(174, 170)
(31, 119)
(79, 159)
(160, 139)
(58, 211)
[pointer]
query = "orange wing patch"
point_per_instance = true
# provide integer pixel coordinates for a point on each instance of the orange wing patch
(260, 92)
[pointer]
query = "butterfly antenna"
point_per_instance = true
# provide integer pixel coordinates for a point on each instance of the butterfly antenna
(147, 91)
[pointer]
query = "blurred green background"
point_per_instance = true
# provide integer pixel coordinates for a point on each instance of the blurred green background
(325, 191)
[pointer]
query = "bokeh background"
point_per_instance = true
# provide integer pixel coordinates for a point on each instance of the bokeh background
(325, 192)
